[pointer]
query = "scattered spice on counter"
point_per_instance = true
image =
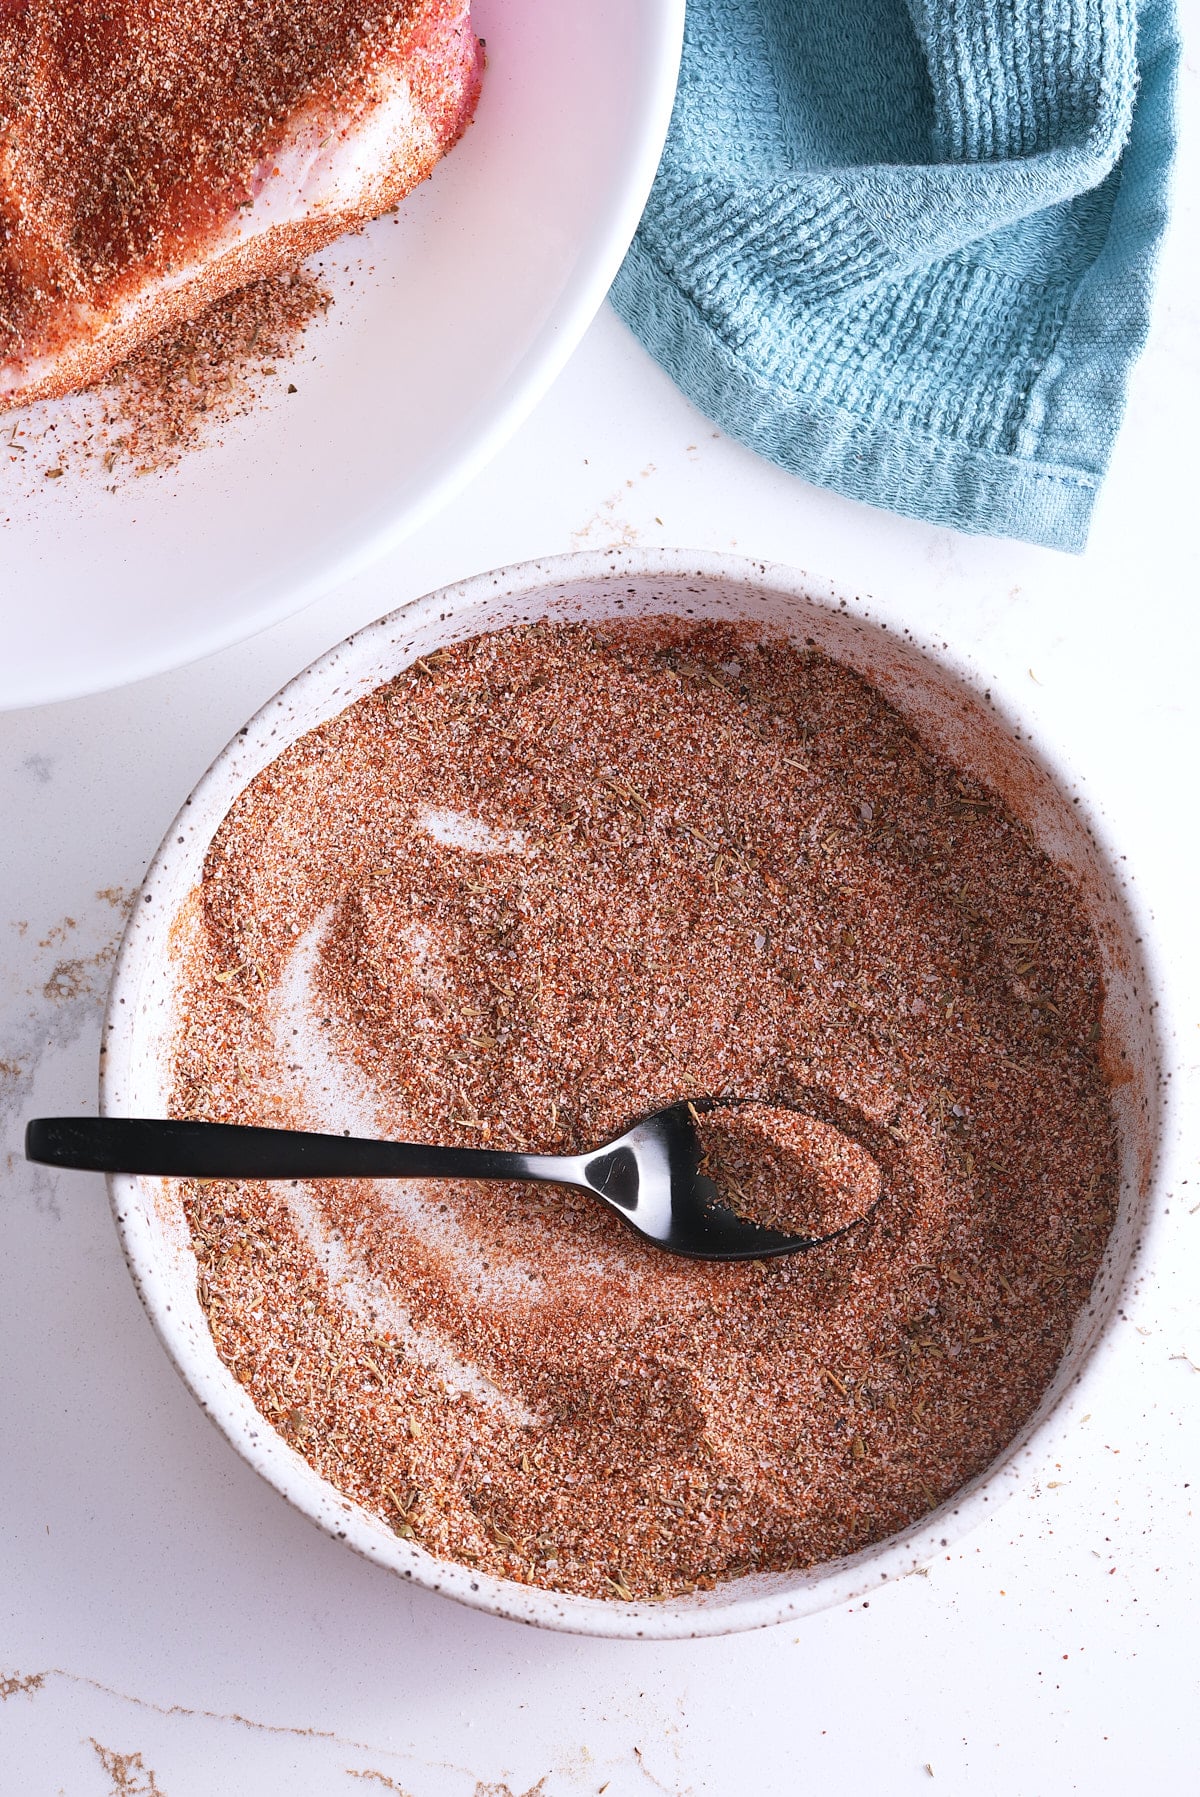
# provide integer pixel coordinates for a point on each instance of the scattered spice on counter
(548, 880)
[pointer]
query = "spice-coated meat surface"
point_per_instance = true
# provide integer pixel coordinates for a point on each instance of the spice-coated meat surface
(564, 875)
(155, 156)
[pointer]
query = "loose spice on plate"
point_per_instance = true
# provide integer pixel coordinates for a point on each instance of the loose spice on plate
(176, 392)
(539, 884)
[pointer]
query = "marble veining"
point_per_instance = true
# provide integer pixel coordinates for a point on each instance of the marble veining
(164, 1765)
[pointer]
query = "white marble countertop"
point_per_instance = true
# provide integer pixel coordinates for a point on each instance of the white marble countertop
(169, 1626)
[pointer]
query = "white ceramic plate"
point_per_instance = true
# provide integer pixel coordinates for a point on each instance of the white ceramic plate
(450, 322)
(953, 713)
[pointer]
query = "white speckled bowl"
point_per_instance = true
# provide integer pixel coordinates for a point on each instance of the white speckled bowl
(951, 710)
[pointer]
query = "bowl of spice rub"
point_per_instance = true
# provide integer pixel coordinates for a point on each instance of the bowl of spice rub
(526, 861)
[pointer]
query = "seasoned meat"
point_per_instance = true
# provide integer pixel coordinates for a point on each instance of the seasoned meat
(155, 154)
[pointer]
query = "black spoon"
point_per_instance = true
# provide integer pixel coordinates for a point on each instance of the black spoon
(650, 1175)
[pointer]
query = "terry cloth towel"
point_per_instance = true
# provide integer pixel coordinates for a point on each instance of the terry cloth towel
(904, 248)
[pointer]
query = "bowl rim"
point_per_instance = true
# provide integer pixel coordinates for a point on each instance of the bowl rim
(760, 1600)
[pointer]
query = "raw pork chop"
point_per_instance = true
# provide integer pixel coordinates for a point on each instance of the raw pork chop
(155, 154)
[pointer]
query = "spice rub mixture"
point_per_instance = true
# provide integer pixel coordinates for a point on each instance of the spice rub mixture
(548, 880)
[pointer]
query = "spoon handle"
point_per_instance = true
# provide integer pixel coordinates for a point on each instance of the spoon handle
(239, 1151)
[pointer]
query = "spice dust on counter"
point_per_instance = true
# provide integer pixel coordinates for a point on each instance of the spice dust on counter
(540, 884)
(174, 395)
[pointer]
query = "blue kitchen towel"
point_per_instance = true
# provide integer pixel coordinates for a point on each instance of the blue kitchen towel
(905, 248)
